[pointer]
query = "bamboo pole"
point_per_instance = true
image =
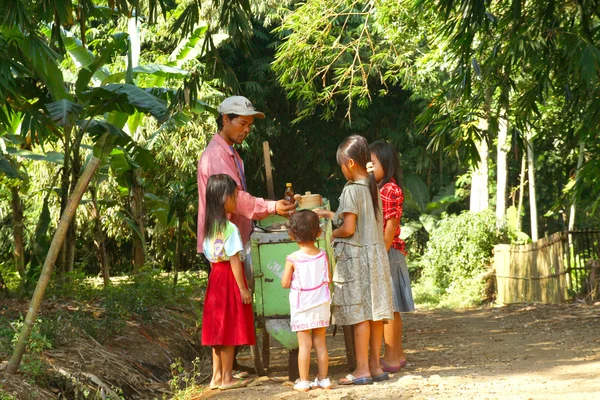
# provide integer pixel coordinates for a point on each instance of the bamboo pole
(55, 246)
(502, 149)
(532, 196)
(268, 169)
(579, 164)
(521, 190)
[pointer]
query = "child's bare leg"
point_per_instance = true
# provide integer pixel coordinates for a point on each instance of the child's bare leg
(305, 343)
(216, 364)
(362, 334)
(320, 343)
(392, 332)
(227, 355)
(375, 345)
(400, 350)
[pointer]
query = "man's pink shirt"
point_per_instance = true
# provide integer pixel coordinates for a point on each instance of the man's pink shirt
(218, 158)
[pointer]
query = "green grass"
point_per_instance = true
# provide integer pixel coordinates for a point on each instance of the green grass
(427, 295)
(98, 311)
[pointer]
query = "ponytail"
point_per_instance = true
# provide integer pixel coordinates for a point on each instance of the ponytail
(374, 194)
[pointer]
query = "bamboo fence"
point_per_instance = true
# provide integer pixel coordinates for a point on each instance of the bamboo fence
(535, 272)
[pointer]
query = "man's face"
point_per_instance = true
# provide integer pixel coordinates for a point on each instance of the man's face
(237, 129)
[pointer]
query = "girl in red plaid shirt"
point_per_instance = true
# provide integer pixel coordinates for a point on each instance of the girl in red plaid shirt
(387, 173)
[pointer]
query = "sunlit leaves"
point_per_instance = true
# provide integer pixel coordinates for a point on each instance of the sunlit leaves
(8, 168)
(125, 98)
(64, 112)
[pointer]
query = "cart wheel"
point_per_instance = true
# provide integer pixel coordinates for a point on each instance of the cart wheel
(261, 352)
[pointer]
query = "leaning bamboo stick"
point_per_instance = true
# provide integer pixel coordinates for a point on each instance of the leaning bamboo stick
(57, 241)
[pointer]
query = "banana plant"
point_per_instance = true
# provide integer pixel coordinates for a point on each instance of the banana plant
(420, 209)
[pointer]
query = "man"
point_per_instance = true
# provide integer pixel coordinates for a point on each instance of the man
(236, 116)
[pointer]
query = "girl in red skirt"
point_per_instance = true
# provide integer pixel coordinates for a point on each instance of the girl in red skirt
(228, 319)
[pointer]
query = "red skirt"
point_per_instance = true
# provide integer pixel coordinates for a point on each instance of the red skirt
(226, 320)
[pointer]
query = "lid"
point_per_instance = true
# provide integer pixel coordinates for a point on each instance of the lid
(288, 184)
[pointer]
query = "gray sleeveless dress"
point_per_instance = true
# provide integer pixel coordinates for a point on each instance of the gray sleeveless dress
(362, 282)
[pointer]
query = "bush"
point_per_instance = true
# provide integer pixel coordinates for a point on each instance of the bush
(458, 252)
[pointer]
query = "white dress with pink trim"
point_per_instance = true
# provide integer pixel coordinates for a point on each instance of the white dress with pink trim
(309, 292)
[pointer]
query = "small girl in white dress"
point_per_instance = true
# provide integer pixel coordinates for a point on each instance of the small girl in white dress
(307, 274)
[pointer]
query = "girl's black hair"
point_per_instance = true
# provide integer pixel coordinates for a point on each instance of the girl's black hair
(220, 120)
(304, 226)
(356, 147)
(390, 162)
(219, 188)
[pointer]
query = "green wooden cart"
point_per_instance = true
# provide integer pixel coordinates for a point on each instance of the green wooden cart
(270, 245)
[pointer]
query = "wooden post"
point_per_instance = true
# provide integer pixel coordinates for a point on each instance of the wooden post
(349, 343)
(268, 169)
(293, 372)
(55, 246)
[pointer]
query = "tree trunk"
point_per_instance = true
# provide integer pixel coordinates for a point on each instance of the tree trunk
(579, 164)
(71, 243)
(57, 241)
(479, 182)
(532, 196)
(502, 169)
(19, 249)
(429, 168)
(3, 286)
(177, 260)
(521, 190)
(99, 238)
(441, 152)
(133, 28)
(139, 217)
(64, 194)
(137, 191)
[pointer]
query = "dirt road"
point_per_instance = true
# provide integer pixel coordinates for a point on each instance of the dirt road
(514, 352)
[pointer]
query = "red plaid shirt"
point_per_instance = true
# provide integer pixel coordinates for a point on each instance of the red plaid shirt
(392, 199)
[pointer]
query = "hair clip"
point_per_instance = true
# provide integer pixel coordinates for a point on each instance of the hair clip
(370, 167)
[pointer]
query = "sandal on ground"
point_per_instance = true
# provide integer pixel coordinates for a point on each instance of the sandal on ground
(301, 386)
(381, 377)
(351, 380)
(239, 374)
(213, 387)
(240, 383)
(321, 384)
(243, 368)
(390, 368)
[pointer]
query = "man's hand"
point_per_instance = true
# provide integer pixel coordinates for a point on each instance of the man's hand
(285, 208)
(246, 296)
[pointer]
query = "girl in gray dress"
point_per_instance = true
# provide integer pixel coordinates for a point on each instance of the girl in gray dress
(362, 283)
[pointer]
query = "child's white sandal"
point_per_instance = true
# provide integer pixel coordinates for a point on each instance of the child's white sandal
(324, 383)
(302, 386)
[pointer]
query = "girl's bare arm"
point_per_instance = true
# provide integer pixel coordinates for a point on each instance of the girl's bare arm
(390, 232)
(322, 213)
(238, 273)
(347, 228)
(286, 279)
